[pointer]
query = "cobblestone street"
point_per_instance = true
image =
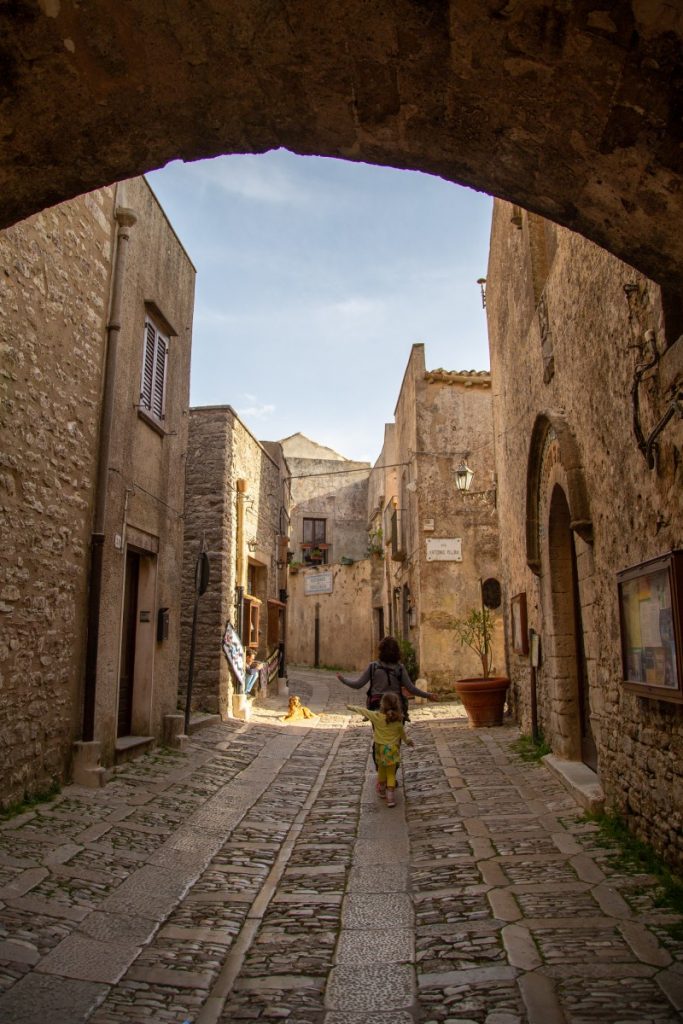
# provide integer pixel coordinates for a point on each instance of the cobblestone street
(257, 877)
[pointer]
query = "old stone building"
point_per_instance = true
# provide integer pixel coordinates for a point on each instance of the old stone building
(588, 354)
(237, 510)
(329, 580)
(96, 314)
(439, 546)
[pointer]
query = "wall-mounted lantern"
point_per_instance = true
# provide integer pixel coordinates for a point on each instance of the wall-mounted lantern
(463, 481)
(463, 477)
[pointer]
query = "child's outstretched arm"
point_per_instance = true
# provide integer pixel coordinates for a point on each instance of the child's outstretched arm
(370, 715)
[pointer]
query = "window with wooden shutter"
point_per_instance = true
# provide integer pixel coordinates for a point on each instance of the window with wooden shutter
(154, 363)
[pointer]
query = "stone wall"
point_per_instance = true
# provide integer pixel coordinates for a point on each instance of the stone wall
(53, 304)
(209, 522)
(565, 435)
(221, 451)
(345, 621)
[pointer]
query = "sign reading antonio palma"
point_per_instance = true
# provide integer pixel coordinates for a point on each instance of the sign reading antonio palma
(445, 549)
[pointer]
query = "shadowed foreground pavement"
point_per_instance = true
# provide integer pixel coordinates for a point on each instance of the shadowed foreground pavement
(257, 877)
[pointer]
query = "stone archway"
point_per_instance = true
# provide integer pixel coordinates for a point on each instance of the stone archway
(570, 110)
(559, 536)
(553, 443)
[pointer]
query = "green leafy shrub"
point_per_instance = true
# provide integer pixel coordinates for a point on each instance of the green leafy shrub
(474, 631)
(409, 659)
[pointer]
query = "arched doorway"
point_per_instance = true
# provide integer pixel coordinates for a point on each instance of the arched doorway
(572, 732)
(559, 550)
(569, 110)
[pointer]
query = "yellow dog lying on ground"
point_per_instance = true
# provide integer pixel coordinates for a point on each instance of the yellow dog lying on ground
(297, 710)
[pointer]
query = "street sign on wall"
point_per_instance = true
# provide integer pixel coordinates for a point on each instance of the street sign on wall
(318, 583)
(444, 549)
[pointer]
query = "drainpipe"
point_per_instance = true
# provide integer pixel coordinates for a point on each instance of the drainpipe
(241, 568)
(125, 219)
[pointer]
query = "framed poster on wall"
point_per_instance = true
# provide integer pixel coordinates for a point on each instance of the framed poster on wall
(520, 636)
(651, 616)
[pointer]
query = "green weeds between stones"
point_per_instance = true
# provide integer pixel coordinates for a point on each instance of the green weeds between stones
(632, 854)
(529, 749)
(29, 802)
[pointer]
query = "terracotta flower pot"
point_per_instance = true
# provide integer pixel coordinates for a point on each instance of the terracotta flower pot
(483, 699)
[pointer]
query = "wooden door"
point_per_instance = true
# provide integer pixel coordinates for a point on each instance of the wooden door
(128, 629)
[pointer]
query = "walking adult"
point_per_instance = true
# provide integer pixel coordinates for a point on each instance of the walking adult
(386, 675)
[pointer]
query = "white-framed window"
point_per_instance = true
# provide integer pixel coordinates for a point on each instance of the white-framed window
(154, 370)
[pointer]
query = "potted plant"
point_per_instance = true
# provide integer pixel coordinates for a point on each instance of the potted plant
(375, 542)
(482, 696)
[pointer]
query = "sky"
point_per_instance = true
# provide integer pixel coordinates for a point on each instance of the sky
(314, 279)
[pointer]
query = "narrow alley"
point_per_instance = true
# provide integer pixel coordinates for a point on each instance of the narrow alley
(258, 877)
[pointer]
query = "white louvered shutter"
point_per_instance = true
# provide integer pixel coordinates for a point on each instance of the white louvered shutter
(154, 362)
(148, 366)
(159, 389)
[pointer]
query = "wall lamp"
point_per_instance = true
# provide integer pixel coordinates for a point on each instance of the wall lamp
(481, 281)
(463, 477)
(463, 482)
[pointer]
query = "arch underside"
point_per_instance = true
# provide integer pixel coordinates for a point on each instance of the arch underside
(569, 112)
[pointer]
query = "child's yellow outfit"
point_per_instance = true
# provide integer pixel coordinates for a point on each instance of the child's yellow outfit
(388, 737)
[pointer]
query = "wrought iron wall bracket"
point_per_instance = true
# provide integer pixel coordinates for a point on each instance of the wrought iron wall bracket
(640, 371)
(651, 446)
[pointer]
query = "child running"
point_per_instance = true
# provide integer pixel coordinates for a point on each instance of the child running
(388, 732)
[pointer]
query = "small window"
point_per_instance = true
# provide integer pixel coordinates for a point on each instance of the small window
(398, 544)
(154, 369)
(314, 545)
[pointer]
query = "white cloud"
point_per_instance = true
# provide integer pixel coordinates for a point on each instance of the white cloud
(353, 307)
(251, 177)
(257, 412)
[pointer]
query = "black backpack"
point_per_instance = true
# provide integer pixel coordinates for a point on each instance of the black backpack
(373, 700)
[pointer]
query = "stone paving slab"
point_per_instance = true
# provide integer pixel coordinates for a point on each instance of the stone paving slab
(88, 959)
(370, 988)
(376, 946)
(39, 999)
(364, 910)
(378, 878)
(393, 1017)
